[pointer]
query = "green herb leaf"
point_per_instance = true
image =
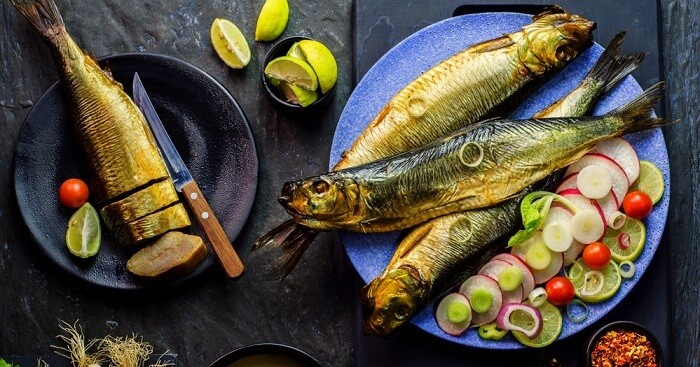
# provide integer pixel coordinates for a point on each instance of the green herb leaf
(3, 363)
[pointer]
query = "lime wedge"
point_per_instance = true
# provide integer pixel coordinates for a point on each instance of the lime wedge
(551, 327)
(83, 235)
(627, 242)
(611, 281)
(295, 51)
(272, 20)
(293, 71)
(322, 61)
(298, 95)
(650, 181)
(229, 43)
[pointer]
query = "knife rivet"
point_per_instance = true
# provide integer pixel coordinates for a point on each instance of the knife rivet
(205, 215)
(193, 196)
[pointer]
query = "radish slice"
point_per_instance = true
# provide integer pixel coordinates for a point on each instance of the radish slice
(594, 181)
(617, 220)
(620, 182)
(586, 226)
(557, 236)
(484, 295)
(573, 252)
(529, 319)
(622, 153)
(494, 269)
(609, 206)
(528, 278)
(569, 182)
(453, 314)
(555, 264)
(582, 202)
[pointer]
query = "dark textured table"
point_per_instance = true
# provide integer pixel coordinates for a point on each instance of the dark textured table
(315, 308)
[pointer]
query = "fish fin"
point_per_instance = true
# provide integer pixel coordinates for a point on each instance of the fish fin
(610, 68)
(549, 10)
(44, 17)
(493, 44)
(294, 240)
(636, 115)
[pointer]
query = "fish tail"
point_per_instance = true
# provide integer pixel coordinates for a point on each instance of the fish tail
(294, 240)
(611, 68)
(44, 17)
(637, 114)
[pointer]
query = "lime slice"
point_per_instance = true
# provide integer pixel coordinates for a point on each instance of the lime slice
(272, 20)
(298, 95)
(322, 61)
(83, 235)
(631, 236)
(650, 181)
(295, 51)
(293, 71)
(551, 327)
(611, 281)
(229, 43)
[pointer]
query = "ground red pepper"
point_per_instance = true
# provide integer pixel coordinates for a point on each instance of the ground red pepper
(623, 348)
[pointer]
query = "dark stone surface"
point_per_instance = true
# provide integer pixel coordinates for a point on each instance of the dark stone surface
(314, 309)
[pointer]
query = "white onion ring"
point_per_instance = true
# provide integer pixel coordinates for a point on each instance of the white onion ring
(570, 313)
(477, 161)
(537, 297)
(593, 273)
(629, 273)
(617, 220)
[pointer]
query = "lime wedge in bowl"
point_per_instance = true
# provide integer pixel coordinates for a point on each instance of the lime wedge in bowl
(291, 70)
(321, 60)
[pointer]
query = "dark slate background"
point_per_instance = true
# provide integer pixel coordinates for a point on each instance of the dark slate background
(314, 309)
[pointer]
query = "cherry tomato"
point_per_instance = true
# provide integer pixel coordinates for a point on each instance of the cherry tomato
(596, 255)
(73, 193)
(560, 290)
(637, 204)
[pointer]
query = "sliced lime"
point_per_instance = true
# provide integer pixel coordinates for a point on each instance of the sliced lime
(627, 242)
(272, 20)
(83, 235)
(611, 281)
(293, 71)
(298, 95)
(650, 181)
(229, 43)
(322, 61)
(551, 327)
(295, 51)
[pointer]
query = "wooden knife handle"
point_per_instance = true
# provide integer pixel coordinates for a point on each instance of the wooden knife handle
(228, 258)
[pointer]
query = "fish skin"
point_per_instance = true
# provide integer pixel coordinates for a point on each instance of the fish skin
(434, 248)
(470, 85)
(152, 225)
(141, 203)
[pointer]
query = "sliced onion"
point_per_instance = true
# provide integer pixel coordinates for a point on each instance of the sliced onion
(537, 297)
(627, 269)
(624, 240)
(557, 236)
(592, 274)
(617, 220)
(594, 181)
(571, 310)
(503, 319)
(587, 226)
(442, 314)
(476, 161)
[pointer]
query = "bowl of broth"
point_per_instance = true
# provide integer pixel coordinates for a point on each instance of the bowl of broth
(266, 355)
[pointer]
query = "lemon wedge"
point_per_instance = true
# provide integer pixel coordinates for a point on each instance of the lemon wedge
(272, 20)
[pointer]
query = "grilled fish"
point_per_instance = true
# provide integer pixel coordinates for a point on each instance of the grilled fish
(483, 79)
(141, 203)
(476, 167)
(442, 252)
(152, 225)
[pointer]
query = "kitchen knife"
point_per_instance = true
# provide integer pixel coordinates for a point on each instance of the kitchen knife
(183, 181)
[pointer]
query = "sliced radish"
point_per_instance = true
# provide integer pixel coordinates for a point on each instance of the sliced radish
(527, 312)
(609, 206)
(569, 182)
(555, 263)
(528, 278)
(557, 236)
(573, 252)
(622, 152)
(594, 181)
(485, 298)
(582, 202)
(620, 182)
(587, 227)
(494, 270)
(454, 314)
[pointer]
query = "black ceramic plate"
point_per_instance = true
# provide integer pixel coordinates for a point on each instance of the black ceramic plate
(205, 123)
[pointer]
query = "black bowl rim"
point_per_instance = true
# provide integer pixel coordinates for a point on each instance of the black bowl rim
(622, 325)
(269, 348)
(269, 89)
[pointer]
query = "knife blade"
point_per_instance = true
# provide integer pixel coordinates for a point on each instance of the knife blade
(183, 181)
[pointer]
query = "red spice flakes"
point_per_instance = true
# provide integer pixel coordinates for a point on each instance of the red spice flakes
(623, 348)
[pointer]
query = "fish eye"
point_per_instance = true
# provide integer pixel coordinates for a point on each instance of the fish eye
(401, 313)
(320, 187)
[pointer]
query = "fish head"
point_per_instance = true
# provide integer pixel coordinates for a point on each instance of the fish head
(390, 300)
(329, 198)
(553, 39)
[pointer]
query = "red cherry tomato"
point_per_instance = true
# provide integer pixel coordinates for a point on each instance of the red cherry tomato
(596, 255)
(637, 204)
(73, 193)
(560, 290)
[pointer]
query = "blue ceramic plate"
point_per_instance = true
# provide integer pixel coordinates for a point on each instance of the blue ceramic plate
(426, 48)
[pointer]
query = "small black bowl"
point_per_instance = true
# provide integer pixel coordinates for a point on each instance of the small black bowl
(267, 349)
(625, 325)
(280, 49)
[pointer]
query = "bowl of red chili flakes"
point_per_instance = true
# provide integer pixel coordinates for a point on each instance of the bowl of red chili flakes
(624, 344)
